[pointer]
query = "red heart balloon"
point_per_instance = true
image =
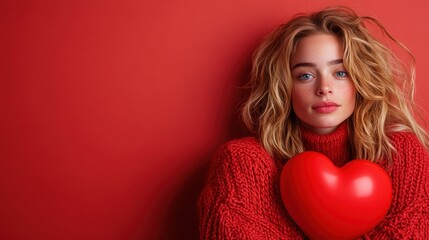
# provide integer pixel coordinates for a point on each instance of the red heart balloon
(327, 202)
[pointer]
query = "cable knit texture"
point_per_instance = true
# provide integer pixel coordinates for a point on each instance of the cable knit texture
(241, 199)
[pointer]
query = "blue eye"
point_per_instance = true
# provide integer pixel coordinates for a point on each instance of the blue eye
(305, 76)
(341, 74)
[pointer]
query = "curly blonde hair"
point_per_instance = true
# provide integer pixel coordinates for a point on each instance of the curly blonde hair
(385, 89)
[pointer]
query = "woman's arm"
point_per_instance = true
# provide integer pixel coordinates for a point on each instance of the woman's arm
(408, 217)
(241, 198)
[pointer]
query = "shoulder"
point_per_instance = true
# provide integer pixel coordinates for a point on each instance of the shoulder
(243, 145)
(406, 142)
(245, 151)
(248, 147)
(403, 137)
(409, 154)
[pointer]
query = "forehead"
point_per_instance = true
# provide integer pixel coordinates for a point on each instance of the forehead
(317, 48)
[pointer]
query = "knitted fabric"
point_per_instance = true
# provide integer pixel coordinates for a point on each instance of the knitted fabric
(241, 199)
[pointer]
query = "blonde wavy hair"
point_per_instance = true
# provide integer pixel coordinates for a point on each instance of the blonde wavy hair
(385, 89)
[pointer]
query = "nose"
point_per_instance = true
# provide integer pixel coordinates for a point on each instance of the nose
(324, 87)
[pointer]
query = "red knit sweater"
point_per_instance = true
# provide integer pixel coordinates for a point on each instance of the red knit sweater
(241, 199)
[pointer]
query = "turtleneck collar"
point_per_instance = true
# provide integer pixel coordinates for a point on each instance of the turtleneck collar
(335, 145)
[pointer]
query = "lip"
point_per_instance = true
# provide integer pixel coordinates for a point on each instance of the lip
(326, 107)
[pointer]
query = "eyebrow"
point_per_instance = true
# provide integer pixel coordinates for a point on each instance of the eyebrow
(305, 64)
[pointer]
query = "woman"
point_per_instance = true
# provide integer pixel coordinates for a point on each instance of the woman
(320, 82)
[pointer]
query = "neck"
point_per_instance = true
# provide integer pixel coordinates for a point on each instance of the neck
(335, 145)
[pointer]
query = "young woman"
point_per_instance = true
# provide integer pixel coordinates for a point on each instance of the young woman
(320, 82)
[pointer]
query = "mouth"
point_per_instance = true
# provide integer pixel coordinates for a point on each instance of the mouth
(326, 107)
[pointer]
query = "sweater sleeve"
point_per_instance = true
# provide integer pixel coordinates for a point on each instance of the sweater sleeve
(239, 200)
(408, 217)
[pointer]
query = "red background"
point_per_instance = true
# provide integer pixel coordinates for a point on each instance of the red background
(110, 110)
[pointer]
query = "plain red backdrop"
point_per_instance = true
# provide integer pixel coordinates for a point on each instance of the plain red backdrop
(110, 110)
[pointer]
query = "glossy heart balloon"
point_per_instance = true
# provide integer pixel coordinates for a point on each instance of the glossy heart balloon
(327, 202)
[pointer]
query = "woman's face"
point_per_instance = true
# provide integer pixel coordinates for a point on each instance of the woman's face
(323, 95)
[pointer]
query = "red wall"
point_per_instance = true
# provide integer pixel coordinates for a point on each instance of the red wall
(110, 110)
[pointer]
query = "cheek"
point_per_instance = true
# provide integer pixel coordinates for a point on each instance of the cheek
(299, 97)
(351, 93)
